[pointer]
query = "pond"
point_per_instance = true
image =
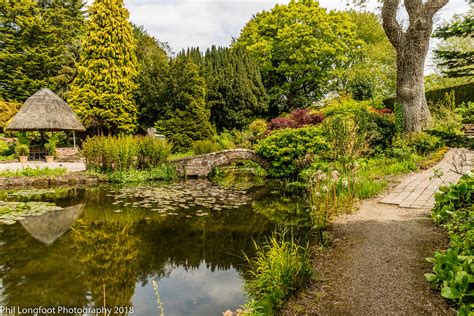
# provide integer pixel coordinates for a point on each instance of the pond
(180, 244)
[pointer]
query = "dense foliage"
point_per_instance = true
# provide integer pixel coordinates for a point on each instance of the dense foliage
(125, 152)
(375, 53)
(102, 92)
(7, 111)
(456, 53)
(280, 268)
(453, 270)
(300, 48)
(288, 149)
(153, 67)
(235, 93)
(186, 118)
(296, 119)
(39, 45)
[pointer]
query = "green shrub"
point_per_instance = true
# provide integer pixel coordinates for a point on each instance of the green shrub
(280, 268)
(204, 147)
(22, 150)
(424, 143)
(453, 270)
(354, 128)
(124, 152)
(4, 148)
(466, 110)
(163, 172)
(33, 172)
(453, 139)
(258, 128)
(152, 151)
(224, 140)
(285, 149)
(445, 116)
(362, 88)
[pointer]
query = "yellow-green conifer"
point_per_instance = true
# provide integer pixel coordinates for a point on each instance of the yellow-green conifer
(102, 92)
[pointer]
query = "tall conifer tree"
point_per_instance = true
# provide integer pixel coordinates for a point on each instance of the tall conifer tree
(38, 45)
(102, 92)
(152, 92)
(235, 91)
(187, 118)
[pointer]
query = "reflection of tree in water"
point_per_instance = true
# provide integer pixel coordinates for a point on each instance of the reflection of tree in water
(109, 253)
(282, 211)
(115, 249)
(34, 274)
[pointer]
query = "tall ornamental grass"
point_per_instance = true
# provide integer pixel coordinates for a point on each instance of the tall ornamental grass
(281, 268)
(122, 153)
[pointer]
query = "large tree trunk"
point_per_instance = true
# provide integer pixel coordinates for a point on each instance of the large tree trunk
(412, 47)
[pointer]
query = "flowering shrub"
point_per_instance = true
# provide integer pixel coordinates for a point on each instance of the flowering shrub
(297, 119)
(382, 111)
(280, 123)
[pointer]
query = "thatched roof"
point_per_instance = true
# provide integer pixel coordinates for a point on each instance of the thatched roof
(45, 111)
(50, 226)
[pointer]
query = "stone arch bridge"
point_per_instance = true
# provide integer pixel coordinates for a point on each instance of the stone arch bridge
(202, 165)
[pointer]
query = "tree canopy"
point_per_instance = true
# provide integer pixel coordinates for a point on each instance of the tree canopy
(102, 92)
(455, 55)
(186, 118)
(39, 45)
(235, 93)
(153, 72)
(376, 54)
(302, 50)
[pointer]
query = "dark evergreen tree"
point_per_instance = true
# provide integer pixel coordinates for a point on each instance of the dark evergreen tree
(236, 94)
(38, 46)
(187, 118)
(456, 59)
(152, 92)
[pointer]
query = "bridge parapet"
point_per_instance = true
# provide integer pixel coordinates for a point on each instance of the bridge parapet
(202, 165)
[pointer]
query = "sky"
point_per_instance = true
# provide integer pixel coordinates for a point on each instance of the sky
(202, 23)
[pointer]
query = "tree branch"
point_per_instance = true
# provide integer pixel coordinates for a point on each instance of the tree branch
(389, 22)
(413, 8)
(433, 6)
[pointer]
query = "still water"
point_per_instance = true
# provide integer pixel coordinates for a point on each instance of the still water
(136, 246)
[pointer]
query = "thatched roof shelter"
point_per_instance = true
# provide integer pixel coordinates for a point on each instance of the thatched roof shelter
(50, 226)
(45, 111)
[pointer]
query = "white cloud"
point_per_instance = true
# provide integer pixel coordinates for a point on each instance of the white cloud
(185, 23)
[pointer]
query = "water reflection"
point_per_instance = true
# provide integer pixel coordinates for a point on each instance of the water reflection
(113, 250)
(50, 226)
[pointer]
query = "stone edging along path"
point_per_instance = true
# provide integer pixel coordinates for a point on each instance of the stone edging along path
(72, 178)
(376, 264)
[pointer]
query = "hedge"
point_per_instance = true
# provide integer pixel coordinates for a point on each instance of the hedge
(463, 93)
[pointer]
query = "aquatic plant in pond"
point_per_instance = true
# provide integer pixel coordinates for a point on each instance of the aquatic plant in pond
(14, 211)
(280, 268)
(182, 234)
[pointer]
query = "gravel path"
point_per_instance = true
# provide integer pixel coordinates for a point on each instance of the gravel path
(376, 264)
